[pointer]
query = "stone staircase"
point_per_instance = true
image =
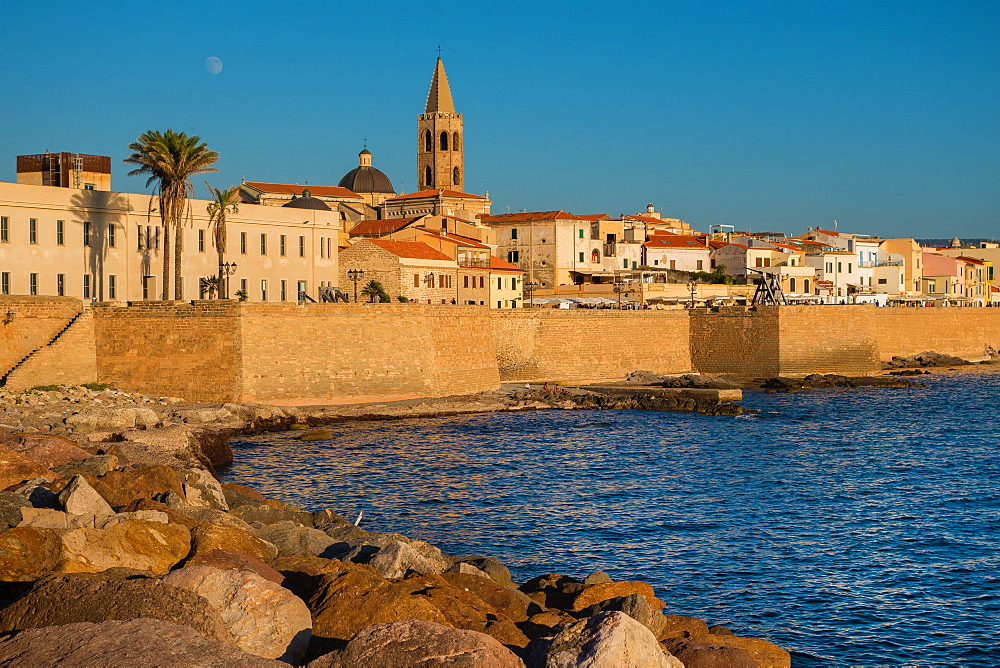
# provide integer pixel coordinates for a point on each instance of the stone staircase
(68, 358)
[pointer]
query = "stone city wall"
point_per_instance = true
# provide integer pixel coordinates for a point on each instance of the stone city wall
(735, 341)
(827, 339)
(325, 351)
(567, 345)
(963, 332)
(28, 323)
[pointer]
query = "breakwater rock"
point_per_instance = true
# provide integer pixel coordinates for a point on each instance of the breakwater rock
(816, 381)
(99, 546)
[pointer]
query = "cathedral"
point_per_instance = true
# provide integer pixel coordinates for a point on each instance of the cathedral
(367, 193)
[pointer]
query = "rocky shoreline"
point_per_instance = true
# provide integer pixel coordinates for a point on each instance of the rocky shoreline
(119, 546)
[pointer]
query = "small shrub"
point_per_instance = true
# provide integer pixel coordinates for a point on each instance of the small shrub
(96, 387)
(45, 388)
(402, 299)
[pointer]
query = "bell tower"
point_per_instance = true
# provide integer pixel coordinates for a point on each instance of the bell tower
(440, 138)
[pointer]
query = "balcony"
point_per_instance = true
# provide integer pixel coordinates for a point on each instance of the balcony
(474, 262)
(610, 250)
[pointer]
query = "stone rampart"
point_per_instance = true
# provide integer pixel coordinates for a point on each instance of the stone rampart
(28, 323)
(563, 345)
(70, 359)
(964, 332)
(735, 340)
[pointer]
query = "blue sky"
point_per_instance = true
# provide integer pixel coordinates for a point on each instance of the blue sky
(767, 115)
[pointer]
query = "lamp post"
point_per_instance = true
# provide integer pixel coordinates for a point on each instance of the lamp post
(226, 269)
(529, 287)
(356, 275)
(693, 287)
(621, 287)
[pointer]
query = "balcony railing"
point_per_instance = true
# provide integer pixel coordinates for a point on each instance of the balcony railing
(883, 263)
(473, 262)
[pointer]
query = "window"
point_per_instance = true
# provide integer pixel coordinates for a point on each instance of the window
(263, 289)
(513, 233)
(581, 256)
(112, 236)
(139, 239)
(86, 233)
(33, 232)
(4, 230)
(5, 282)
(513, 256)
(498, 304)
(454, 141)
(156, 237)
(428, 141)
(263, 244)
(580, 232)
(673, 264)
(243, 286)
(281, 245)
(848, 267)
(112, 286)
(201, 241)
(701, 265)
(86, 286)
(302, 246)
(456, 176)
(61, 285)
(416, 280)
(32, 284)
(513, 284)
(466, 282)
(805, 285)
(883, 281)
(301, 289)
(284, 294)
(625, 265)
(428, 177)
(712, 264)
(329, 249)
(322, 248)
(840, 267)
(791, 284)
(829, 267)
(243, 243)
(758, 262)
(88, 186)
(482, 282)
(499, 282)
(444, 141)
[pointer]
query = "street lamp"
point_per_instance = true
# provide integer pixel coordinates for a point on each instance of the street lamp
(529, 287)
(693, 287)
(226, 269)
(356, 275)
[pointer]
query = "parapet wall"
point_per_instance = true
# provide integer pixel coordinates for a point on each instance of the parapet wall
(552, 344)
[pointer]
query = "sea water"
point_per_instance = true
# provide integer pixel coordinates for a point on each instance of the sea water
(850, 526)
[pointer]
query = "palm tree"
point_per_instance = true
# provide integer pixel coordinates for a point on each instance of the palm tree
(170, 159)
(223, 201)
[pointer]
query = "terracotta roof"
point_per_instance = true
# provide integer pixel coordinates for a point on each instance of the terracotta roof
(827, 232)
(714, 243)
(739, 245)
(502, 265)
(409, 249)
(791, 247)
(970, 260)
(296, 189)
(594, 217)
(435, 193)
(528, 216)
(648, 219)
(675, 242)
(387, 226)
(454, 238)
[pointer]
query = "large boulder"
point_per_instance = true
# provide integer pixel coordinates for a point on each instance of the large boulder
(202, 490)
(681, 626)
(142, 545)
(511, 602)
(293, 539)
(271, 513)
(397, 559)
(16, 468)
(47, 450)
(414, 642)
(264, 618)
(695, 654)
(763, 652)
(236, 561)
(602, 592)
(66, 599)
(208, 537)
(79, 498)
(27, 553)
(136, 642)
(635, 606)
(10, 509)
(608, 640)
(95, 466)
(146, 482)
(492, 566)
(367, 545)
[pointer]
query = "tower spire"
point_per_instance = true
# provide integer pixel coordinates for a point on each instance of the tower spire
(439, 98)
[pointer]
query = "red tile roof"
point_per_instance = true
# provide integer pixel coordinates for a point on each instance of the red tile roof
(970, 260)
(387, 226)
(453, 238)
(594, 217)
(435, 193)
(502, 265)
(296, 189)
(715, 243)
(417, 250)
(655, 221)
(827, 232)
(528, 216)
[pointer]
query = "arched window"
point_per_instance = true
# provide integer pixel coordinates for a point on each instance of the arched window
(791, 284)
(805, 287)
(455, 178)
(454, 141)
(444, 141)
(595, 256)
(428, 176)
(428, 141)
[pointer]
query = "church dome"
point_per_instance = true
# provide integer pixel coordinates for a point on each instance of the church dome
(307, 201)
(366, 179)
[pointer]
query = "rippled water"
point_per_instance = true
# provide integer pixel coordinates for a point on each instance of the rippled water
(852, 526)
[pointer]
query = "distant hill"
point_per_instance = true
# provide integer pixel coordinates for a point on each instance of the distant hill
(946, 243)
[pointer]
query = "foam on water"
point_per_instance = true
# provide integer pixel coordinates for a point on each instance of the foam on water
(853, 526)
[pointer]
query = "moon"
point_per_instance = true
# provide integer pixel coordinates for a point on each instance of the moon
(213, 65)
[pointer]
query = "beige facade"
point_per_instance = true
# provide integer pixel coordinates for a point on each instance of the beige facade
(442, 202)
(106, 246)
